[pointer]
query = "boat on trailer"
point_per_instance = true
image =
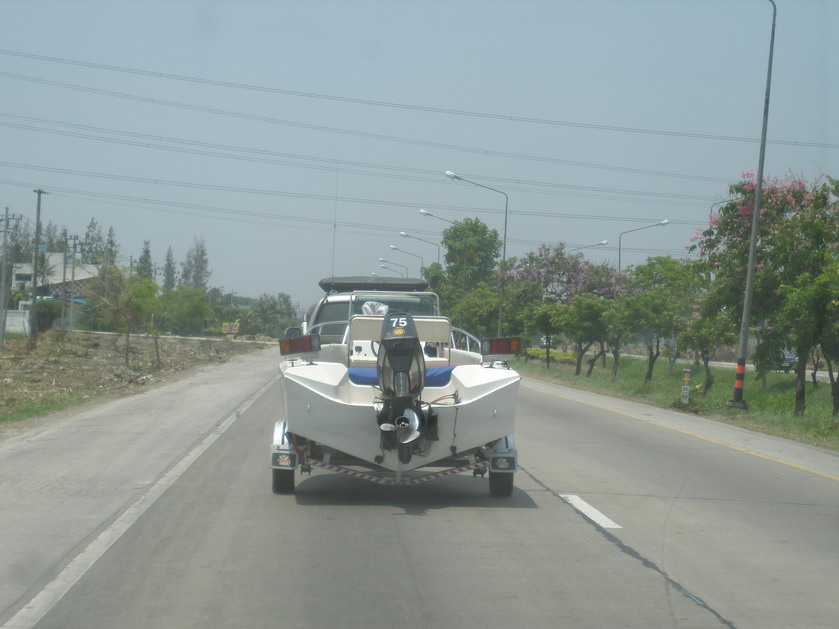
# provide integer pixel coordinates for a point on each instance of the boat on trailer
(378, 385)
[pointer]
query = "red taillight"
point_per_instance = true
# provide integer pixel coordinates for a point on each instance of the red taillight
(299, 345)
(504, 345)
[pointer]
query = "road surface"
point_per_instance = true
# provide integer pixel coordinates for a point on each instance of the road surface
(156, 512)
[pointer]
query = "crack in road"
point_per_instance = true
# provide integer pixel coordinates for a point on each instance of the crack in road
(631, 552)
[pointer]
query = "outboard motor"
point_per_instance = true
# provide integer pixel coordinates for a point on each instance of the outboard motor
(401, 375)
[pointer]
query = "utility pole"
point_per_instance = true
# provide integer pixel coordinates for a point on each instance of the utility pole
(737, 400)
(64, 280)
(4, 298)
(33, 313)
(75, 240)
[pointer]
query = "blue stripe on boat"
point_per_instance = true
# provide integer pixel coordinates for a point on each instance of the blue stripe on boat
(434, 376)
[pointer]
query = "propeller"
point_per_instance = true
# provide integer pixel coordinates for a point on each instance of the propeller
(406, 427)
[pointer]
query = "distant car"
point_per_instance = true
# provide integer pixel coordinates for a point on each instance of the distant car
(789, 360)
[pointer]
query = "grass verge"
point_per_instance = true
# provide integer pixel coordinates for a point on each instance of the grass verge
(771, 403)
(61, 370)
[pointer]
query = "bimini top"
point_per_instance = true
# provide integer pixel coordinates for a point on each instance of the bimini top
(364, 282)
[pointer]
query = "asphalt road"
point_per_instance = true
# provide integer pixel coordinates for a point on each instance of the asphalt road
(156, 512)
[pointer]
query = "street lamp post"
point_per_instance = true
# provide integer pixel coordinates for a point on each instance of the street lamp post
(394, 270)
(407, 235)
(439, 218)
(455, 177)
(597, 244)
(737, 400)
(422, 262)
(664, 222)
(396, 263)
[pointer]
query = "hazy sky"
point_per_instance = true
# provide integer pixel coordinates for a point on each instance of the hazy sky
(299, 138)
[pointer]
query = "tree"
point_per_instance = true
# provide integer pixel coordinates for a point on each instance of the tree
(799, 232)
(559, 275)
(620, 322)
(708, 329)
(52, 238)
(662, 292)
(802, 321)
(170, 273)
(125, 303)
(472, 251)
(548, 318)
(111, 250)
(44, 270)
(520, 298)
(145, 268)
(273, 313)
(93, 245)
(562, 276)
(186, 309)
(195, 269)
(21, 240)
(477, 310)
(583, 321)
(829, 337)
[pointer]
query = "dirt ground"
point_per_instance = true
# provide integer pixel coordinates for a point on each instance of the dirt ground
(75, 367)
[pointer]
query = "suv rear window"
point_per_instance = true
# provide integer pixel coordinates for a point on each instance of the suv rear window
(412, 304)
(337, 311)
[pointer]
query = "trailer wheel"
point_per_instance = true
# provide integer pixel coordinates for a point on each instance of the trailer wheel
(282, 481)
(500, 484)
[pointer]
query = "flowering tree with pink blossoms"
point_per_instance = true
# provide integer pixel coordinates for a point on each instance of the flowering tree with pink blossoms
(798, 240)
(571, 295)
(561, 275)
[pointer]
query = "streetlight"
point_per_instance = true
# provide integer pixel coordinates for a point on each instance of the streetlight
(664, 222)
(597, 244)
(407, 235)
(422, 262)
(742, 349)
(440, 218)
(397, 264)
(451, 175)
(390, 269)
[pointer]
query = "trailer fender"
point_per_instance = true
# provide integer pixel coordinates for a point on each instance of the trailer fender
(503, 456)
(283, 454)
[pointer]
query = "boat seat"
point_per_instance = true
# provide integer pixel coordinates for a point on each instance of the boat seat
(434, 376)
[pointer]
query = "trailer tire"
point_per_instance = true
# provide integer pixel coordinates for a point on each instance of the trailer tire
(500, 484)
(282, 481)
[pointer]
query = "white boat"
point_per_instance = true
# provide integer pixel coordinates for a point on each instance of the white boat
(379, 385)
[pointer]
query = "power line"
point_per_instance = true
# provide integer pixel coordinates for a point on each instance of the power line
(301, 195)
(290, 123)
(157, 203)
(393, 105)
(325, 160)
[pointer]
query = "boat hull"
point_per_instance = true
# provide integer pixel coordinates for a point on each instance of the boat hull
(474, 407)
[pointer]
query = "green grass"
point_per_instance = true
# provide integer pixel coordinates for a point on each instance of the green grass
(26, 410)
(770, 406)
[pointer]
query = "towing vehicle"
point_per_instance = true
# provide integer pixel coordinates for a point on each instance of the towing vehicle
(377, 384)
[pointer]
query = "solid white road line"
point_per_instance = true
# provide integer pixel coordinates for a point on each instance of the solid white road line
(46, 599)
(590, 512)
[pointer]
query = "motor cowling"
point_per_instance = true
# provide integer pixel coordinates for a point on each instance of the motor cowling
(401, 375)
(401, 364)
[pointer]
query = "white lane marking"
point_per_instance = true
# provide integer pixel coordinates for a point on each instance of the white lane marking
(41, 604)
(590, 512)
